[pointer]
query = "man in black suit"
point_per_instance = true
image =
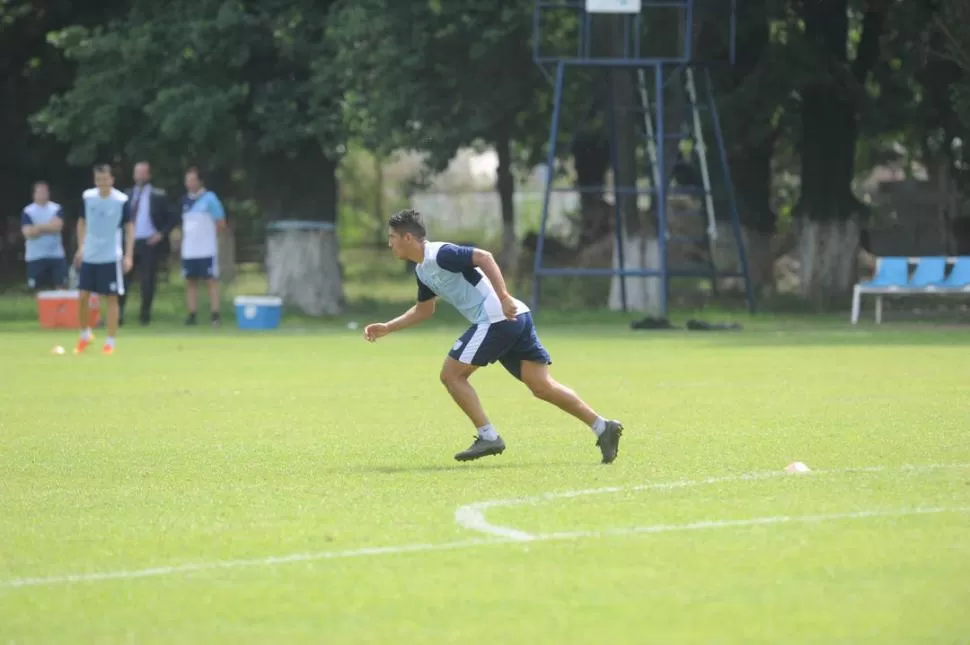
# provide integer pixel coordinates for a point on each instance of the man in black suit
(152, 213)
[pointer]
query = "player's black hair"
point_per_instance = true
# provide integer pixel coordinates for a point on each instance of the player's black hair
(39, 183)
(408, 221)
(197, 172)
(103, 167)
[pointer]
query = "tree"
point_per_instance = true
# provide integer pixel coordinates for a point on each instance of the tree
(32, 70)
(828, 212)
(757, 114)
(436, 76)
(953, 29)
(225, 85)
(916, 106)
(953, 21)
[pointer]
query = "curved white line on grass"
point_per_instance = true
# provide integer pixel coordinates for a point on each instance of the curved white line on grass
(511, 536)
(472, 516)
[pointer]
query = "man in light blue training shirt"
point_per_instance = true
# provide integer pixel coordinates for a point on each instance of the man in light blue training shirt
(501, 330)
(202, 219)
(41, 225)
(102, 266)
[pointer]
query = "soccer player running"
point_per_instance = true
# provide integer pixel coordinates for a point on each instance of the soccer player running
(502, 330)
(104, 213)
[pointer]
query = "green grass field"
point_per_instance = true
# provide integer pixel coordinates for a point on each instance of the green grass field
(299, 487)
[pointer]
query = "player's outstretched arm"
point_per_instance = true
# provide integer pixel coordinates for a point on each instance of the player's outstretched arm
(420, 312)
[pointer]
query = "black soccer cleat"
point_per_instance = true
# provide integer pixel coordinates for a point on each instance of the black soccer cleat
(481, 448)
(609, 441)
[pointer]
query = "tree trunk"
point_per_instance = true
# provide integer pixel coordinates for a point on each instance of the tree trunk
(750, 158)
(827, 209)
(761, 259)
(637, 231)
(590, 140)
(591, 159)
(641, 229)
(505, 184)
(227, 256)
(642, 294)
(380, 217)
(761, 252)
(302, 254)
(302, 269)
(828, 252)
(675, 99)
(752, 181)
(622, 89)
(826, 205)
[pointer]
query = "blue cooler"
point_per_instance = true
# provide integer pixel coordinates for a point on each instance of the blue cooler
(258, 312)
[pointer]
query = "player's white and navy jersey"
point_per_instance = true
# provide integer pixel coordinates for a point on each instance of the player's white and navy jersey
(104, 218)
(49, 245)
(199, 215)
(448, 272)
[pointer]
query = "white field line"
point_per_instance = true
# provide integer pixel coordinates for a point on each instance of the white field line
(239, 564)
(507, 536)
(754, 521)
(472, 516)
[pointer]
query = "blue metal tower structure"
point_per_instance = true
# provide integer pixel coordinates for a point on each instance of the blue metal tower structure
(639, 38)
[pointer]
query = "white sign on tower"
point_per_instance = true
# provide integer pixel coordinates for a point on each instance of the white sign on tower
(613, 6)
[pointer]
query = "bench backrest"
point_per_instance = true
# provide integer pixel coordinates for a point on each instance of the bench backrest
(891, 271)
(960, 273)
(929, 271)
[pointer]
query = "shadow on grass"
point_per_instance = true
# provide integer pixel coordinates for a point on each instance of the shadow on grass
(391, 469)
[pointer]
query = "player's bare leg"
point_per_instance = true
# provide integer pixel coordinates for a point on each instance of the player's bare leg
(214, 303)
(84, 317)
(114, 317)
(537, 378)
(454, 376)
(191, 299)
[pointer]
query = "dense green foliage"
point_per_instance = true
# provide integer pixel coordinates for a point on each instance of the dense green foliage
(267, 96)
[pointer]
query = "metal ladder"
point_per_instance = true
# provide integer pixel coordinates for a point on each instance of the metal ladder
(700, 146)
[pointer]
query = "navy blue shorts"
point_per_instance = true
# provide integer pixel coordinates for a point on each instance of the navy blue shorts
(104, 279)
(509, 342)
(200, 268)
(47, 273)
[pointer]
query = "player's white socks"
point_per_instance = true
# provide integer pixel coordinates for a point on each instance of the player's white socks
(110, 341)
(86, 333)
(598, 426)
(488, 433)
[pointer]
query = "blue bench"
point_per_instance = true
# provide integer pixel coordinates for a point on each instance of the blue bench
(930, 276)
